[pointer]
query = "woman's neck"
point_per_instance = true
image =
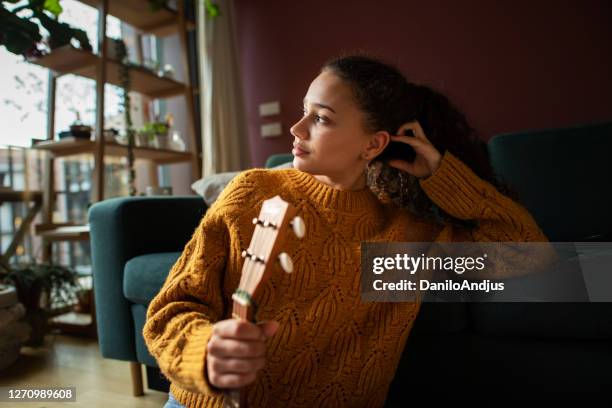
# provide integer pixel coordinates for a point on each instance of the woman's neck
(347, 182)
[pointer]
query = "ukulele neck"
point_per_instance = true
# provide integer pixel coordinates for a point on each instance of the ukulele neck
(244, 307)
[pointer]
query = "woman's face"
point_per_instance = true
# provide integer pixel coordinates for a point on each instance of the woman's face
(330, 139)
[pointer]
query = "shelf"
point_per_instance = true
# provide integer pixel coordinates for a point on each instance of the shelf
(138, 14)
(63, 233)
(81, 319)
(14, 196)
(71, 146)
(74, 323)
(70, 60)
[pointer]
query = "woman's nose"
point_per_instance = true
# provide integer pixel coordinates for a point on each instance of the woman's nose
(298, 130)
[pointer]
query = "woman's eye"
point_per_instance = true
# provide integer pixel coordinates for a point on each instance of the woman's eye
(320, 119)
(317, 118)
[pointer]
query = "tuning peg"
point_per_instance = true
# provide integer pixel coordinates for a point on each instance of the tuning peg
(299, 228)
(286, 262)
(269, 224)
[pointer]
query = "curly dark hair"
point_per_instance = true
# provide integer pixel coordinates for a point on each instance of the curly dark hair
(388, 100)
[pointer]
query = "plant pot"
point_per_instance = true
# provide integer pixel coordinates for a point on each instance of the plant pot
(141, 140)
(85, 300)
(161, 142)
(77, 131)
(8, 295)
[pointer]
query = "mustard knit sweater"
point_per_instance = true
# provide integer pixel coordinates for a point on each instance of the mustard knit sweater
(330, 349)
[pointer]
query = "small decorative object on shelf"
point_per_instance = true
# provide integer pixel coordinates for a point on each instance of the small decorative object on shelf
(167, 71)
(154, 66)
(111, 135)
(157, 191)
(176, 141)
(156, 134)
(77, 130)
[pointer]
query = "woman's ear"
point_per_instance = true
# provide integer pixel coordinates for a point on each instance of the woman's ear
(377, 143)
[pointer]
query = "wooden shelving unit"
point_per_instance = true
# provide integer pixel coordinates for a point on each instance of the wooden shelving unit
(102, 69)
(69, 60)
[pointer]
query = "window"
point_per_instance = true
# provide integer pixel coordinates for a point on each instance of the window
(23, 109)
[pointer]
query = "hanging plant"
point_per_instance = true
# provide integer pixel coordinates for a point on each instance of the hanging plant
(124, 77)
(212, 9)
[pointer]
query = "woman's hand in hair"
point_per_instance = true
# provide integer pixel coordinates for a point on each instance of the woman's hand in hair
(427, 159)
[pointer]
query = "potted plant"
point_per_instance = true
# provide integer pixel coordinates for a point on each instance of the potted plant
(43, 289)
(156, 133)
(78, 129)
(21, 28)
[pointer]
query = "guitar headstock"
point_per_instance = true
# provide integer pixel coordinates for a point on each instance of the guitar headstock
(275, 218)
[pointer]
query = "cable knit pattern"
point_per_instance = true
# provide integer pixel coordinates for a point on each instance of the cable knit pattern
(330, 349)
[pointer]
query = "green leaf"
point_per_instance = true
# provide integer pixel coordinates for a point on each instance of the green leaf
(212, 9)
(10, 21)
(59, 33)
(18, 34)
(36, 5)
(17, 42)
(53, 6)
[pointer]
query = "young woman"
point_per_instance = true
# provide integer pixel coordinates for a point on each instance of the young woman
(318, 345)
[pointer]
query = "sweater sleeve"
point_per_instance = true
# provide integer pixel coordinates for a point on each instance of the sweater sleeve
(456, 189)
(180, 318)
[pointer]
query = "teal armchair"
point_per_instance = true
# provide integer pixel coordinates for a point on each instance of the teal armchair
(135, 241)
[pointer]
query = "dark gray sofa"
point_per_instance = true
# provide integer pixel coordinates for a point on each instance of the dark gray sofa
(456, 350)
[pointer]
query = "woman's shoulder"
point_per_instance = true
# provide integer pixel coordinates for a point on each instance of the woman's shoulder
(260, 178)
(252, 186)
(404, 218)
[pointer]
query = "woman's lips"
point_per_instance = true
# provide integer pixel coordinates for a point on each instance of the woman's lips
(298, 151)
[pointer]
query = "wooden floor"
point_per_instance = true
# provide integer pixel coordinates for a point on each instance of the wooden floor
(72, 361)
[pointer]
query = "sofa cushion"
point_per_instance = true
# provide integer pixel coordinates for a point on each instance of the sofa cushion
(468, 366)
(211, 186)
(553, 321)
(441, 318)
(144, 275)
(558, 175)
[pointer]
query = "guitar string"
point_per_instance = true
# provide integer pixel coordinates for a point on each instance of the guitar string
(255, 250)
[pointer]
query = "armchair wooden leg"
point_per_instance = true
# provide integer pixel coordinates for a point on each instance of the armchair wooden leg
(137, 389)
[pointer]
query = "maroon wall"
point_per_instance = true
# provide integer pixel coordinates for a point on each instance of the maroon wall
(509, 67)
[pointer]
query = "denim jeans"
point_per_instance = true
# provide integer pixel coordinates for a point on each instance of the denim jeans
(173, 403)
